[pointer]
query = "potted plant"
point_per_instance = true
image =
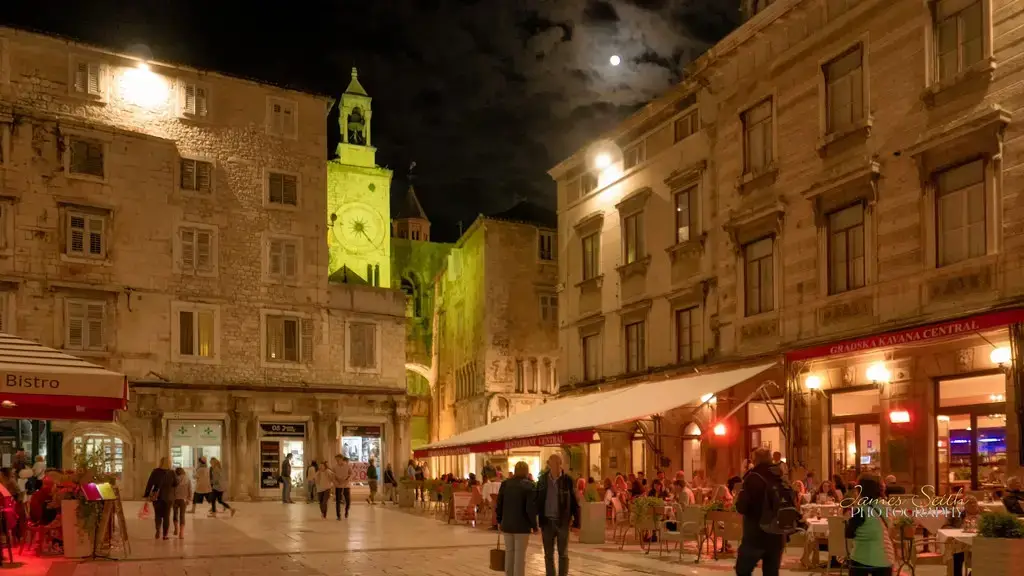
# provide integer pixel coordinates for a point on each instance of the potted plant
(592, 517)
(642, 512)
(406, 492)
(998, 549)
(79, 517)
(905, 527)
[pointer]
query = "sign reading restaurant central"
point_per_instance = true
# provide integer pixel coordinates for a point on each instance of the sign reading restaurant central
(912, 335)
(575, 437)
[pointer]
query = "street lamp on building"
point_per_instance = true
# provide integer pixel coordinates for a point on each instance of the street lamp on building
(1000, 356)
(719, 429)
(878, 374)
(813, 382)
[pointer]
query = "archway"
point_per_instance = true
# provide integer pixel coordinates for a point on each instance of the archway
(111, 441)
(411, 288)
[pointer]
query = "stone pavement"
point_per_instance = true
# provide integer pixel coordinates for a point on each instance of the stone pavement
(273, 538)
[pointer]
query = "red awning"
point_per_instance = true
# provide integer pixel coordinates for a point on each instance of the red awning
(45, 384)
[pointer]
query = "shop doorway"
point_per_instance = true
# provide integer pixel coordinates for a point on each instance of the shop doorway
(691, 450)
(855, 432)
(971, 433)
(763, 429)
(192, 440)
(359, 444)
(277, 441)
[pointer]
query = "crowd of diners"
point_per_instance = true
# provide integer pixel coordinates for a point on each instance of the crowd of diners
(32, 500)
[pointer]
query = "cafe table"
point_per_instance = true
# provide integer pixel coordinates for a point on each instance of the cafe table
(954, 541)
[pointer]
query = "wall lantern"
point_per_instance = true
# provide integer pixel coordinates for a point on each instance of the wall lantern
(878, 374)
(719, 429)
(899, 417)
(142, 87)
(813, 382)
(1000, 356)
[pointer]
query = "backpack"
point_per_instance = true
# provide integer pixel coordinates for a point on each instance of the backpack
(779, 512)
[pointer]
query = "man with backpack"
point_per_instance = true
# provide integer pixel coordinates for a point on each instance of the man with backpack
(770, 514)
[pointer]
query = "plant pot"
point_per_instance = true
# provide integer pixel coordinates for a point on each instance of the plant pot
(997, 556)
(406, 497)
(592, 522)
(78, 539)
(907, 531)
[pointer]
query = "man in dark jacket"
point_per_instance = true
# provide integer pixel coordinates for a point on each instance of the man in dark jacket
(758, 545)
(557, 509)
(516, 512)
(286, 480)
(160, 488)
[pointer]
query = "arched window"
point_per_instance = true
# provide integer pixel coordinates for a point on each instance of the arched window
(412, 297)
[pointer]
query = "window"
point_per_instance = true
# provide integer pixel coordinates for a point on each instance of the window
(591, 346)
(961, 221)
(634, 155)
(588, 183)
(196, 333)
(362, 345)
(549, 308)
(844, 90)
(520, 377)
(686, 210)
(546, 248)
(86, 157)
(86, 79)
(759, 276)
(289, 339)
(195, 100)
(688, 335)
(197, 249)
(591, 254)
(196, 175)
(846, 249)
(757, 137)
(282, 259)
(84, 329)
(282, 118)
(635, 350)
(415, 234)
(86, 235)
(283, 189)
(686, 125)
(6, 226)
(959, 36)
(633, 233)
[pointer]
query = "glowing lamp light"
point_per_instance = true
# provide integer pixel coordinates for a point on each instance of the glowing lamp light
(1000, 356)
(878, 373)
(142, 87)
(707, 398)
(899, 417)
(719, 429)
(615, 60)
(813, 382)
(602, 161)
(851, 448)
(943, 418)
(8, 404)
(997, 397)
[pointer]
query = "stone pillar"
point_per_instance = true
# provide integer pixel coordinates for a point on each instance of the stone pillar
(244, 480)
(401, 449)
(325, 441)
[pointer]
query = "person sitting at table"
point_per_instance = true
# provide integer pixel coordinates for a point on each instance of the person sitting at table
(838, 484)
(1013, 498)
(872, 553)
(824, 492)
(698, 482)
(801, 492)
(657, 490)
(891, 487)
(810, 483)
(682, 494)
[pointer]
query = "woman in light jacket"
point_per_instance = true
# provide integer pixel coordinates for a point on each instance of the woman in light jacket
(324, 483)
(311, 482)
(203, 488)
(217, 484)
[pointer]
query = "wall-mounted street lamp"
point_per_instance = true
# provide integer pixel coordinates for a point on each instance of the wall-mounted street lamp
(719, 429)
(878, 374)
(1000, 356)
(812, 382)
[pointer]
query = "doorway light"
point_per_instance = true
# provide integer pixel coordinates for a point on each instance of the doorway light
(1000, 356)
(877, 373)
(813, 382)
(899, 417)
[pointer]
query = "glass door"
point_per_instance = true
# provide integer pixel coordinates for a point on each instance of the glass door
(971, 438)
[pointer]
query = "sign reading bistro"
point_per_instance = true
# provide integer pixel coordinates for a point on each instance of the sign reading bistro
(574, 437)
(911, 336)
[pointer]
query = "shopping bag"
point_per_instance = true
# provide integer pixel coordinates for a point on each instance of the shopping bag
(145, 512)
(498, 557)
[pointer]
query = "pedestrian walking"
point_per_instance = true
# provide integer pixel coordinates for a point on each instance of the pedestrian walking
(311, 481)
(371, 478)
(770, 513)
(203, 489)
(342, 484)
(218, 483)
(390, 484)
(516, 511)
(182, 496)
(557, 509)
(324, 486)
(160, 489)
(286, 480)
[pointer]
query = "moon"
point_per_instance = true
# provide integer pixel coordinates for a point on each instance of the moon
(615, 60)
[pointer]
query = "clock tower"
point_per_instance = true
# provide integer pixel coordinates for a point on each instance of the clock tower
(358, 198)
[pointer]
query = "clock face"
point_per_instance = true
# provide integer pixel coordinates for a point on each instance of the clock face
(359, 229)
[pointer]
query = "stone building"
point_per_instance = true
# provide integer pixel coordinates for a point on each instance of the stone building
(169, 223)
(496, 328)
(835, 187)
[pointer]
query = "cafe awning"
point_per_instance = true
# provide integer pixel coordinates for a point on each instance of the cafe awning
(575, 419)
(46, 384)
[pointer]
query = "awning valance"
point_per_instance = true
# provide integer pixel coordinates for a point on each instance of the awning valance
(575, 419)
(42, 383)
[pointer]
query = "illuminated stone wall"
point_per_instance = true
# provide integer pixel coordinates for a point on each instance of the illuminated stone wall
(358, 223)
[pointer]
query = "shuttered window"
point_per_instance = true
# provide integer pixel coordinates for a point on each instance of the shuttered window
(86, 235)
(87, 79)
(86, 157)
(283, 259)
(84, 325)
(196, 175)
(196, 333)
(362, 345)
(289, 339)
(282, 118)
(195, 100)
(197, 249)
(283, 189)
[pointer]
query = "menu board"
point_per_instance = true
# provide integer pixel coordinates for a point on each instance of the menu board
(270, 463)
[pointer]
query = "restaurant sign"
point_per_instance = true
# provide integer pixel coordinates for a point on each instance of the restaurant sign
(280, 429)
(575, 437)
(912, 336)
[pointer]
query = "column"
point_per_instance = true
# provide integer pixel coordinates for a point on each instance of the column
(402, 446)
(244, 453)
(325, 441)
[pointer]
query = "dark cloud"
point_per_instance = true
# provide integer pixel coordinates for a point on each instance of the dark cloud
(485, 95)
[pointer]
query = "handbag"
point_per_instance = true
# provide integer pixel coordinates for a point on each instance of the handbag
(498, 557)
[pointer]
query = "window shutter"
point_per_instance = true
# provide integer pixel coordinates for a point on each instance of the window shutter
(204, 245)
(190, 99)
(76, 235)
(275, 256)
(186, 333)
(275, 119)
(289, 190)
(76, 325)
(290, 264)
(203, 176)
(94, 78)
(291, 339)
(276, 186)
(188, 248)
(201, 101)
(94, 319)
(274, 339)
(82, 77)
(288, 121)
(188, 174)
(307, 340)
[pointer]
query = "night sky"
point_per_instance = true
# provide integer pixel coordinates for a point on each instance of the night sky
(484, 95)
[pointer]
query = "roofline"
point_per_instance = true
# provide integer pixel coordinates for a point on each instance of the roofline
(159, 63)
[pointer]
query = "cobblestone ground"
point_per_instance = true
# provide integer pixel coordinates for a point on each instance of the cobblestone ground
(273, 538)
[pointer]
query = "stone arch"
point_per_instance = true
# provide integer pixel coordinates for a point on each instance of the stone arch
(412, 287)
(113, 430)
(420, 369)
